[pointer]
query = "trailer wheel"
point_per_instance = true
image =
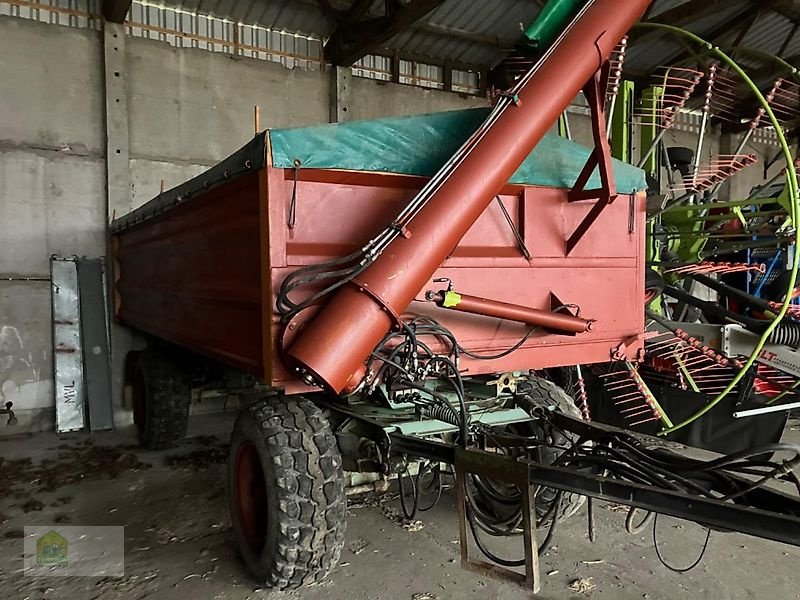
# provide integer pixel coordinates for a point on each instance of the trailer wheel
(286, 492)
(160, 393)
(653, 285)
(536, 392)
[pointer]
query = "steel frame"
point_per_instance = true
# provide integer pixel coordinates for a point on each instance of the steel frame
(600, 158)
(769, 514)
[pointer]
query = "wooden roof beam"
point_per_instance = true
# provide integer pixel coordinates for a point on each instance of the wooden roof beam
(357, 34)
(116, 10)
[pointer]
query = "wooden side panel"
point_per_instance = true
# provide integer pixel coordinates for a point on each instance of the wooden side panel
(192, 276)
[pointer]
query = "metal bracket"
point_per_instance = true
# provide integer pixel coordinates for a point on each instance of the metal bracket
(621, 352)
(506, 381)
(500, 468)
(600, 158)
(556, 304)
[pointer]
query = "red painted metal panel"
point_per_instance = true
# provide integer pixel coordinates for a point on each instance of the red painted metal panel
(192, 275)
(195, 275)
(338, 211)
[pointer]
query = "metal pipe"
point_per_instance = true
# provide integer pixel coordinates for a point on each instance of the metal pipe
(512, 312)
(653, 145)
(764, 410)
(332, 349)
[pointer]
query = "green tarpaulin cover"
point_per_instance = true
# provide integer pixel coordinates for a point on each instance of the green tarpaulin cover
(420, 145)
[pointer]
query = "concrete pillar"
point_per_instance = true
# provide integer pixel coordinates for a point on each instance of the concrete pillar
(118, 188)
(117, 147)
(340, 96)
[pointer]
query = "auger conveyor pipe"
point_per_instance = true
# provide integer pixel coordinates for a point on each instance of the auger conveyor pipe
(333, 348)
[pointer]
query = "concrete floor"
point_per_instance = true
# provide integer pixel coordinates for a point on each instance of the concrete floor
(178, 543)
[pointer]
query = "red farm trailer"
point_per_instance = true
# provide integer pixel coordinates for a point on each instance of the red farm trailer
(202, 268)
(406, 290)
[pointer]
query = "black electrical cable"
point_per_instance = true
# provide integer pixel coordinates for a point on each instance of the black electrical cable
(415, 491)
(679, 569)
(637, 529)
(482, 547)
(503, 354)
(552, 514)
(387, 361)
(347, 275)
(291, 218)
(438, 398)
(458, 386)
(495, 524)
(785, 468)
(436, 484)
(489, 490)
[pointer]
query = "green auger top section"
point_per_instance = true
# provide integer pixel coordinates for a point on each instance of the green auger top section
(551, 21)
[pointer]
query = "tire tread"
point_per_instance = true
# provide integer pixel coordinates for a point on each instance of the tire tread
(311, 506)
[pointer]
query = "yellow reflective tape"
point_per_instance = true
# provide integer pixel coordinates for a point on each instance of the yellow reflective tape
(451, 299)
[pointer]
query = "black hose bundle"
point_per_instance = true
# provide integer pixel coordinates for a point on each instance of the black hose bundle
(340, 270)
(419, 488)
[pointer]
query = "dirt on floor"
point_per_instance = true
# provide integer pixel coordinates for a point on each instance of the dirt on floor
(178, 542)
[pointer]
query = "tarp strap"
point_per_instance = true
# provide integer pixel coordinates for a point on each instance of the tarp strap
(292, 218)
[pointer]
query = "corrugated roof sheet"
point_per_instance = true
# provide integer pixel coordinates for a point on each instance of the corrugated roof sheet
(645, 57)
(478, 31)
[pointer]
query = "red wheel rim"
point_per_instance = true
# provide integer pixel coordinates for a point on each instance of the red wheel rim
(251, 495)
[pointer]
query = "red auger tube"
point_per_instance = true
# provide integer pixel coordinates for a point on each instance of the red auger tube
(333, 348)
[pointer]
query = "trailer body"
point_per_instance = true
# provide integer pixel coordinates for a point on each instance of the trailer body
(199, 265)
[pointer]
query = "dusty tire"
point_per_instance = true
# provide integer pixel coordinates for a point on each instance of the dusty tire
(653, 286)
(536, 392)
(286, 492)
(160, 394)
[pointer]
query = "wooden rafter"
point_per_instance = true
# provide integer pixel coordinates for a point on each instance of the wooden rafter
(116, 10)
(788, 8)
(357, 33)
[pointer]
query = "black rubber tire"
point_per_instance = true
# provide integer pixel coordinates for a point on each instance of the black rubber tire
(534, 393)
(681, 159)
(161, 394)
(286, 492)
(653, 285)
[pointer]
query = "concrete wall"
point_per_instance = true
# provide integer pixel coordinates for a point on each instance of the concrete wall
(187, 109)
(52, 189)
(197, 107)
